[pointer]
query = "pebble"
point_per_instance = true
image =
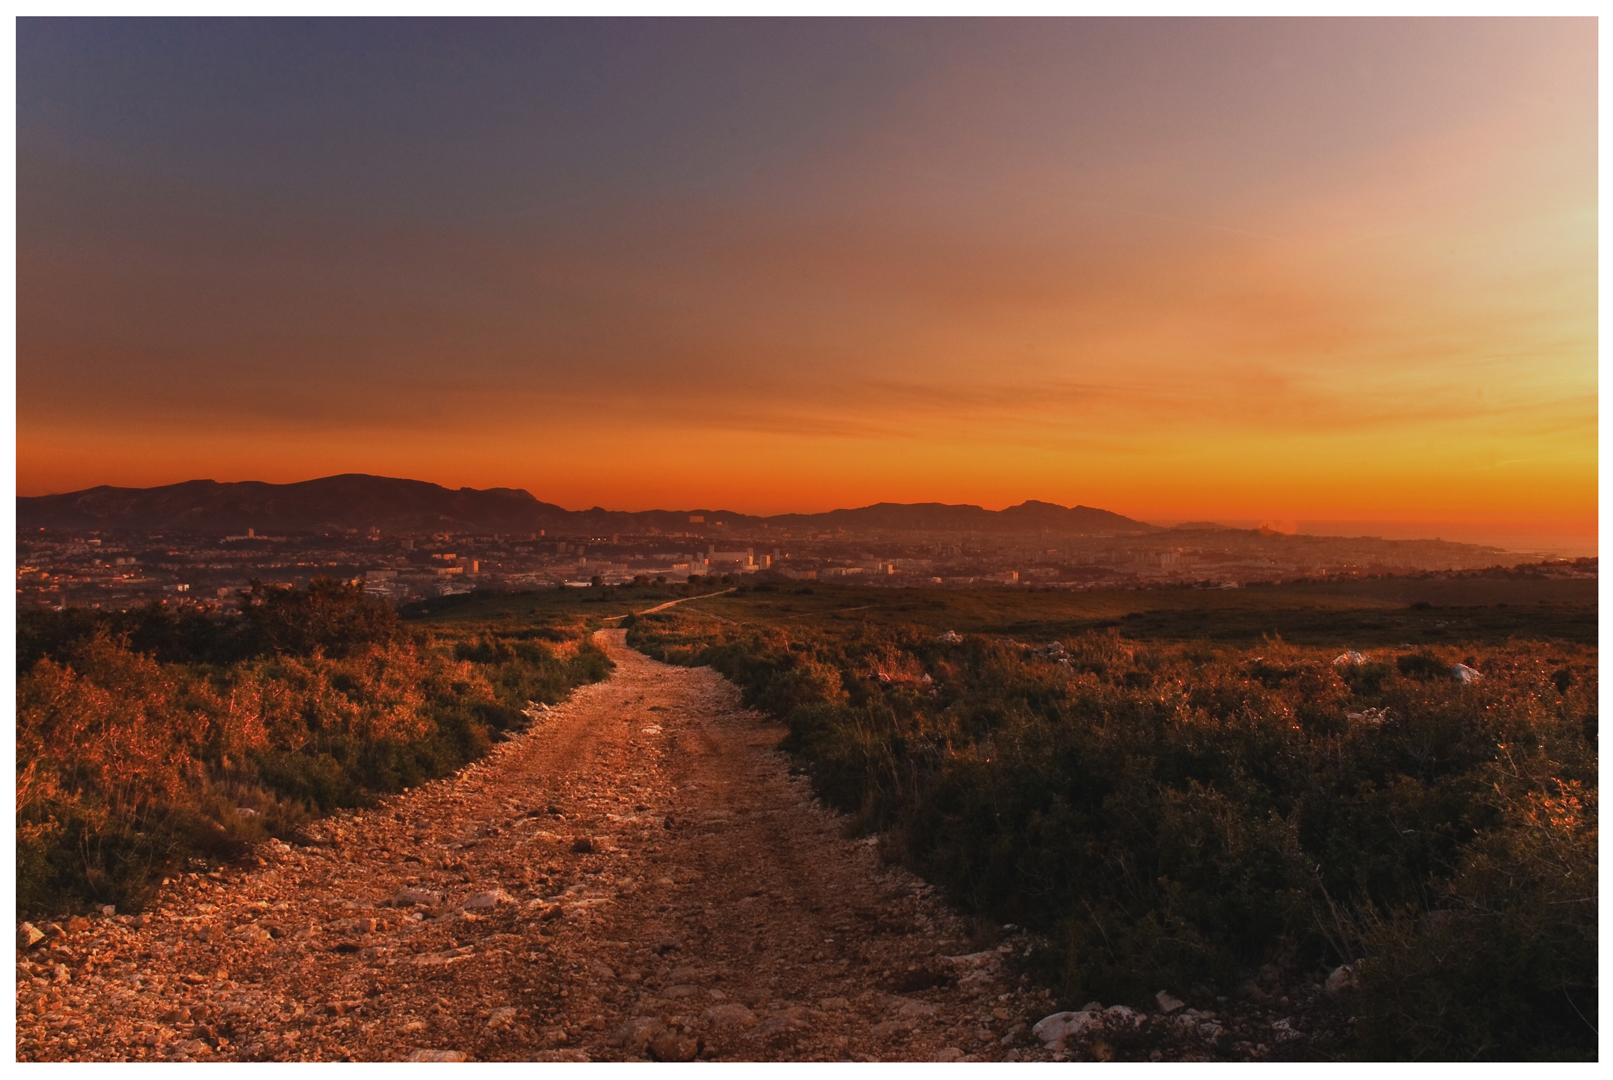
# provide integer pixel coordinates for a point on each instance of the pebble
(411, 897)
(730, 1017)
(1167, 1003)
(671, 1047)
(486, 901)
(1056, 1030)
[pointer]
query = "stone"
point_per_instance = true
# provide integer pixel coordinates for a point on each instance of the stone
(29, 935)
(1340, 979)
(412, 897)
(602, 970)
(77, 924)
(501, 1018)
(109, 910)
(730, 1016)
(486, 901)
(635, 1034)
(887, 1028)
(1120, 1018)
(1056, 1030)
(911, 1008)
(790, 1018)
(1168, 1004)
(670, 1047)
(830, 1004)
(437, 1055)
(949, 1053)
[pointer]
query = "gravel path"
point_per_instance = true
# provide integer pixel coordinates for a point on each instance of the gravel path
(637, 875)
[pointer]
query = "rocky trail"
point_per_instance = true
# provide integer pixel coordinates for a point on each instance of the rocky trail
(638, 875)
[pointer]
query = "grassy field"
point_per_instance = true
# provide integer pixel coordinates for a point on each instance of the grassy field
(1374, 613)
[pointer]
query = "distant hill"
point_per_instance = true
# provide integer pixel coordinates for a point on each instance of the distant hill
(349, 501)
(360, 501)
(1030, 516)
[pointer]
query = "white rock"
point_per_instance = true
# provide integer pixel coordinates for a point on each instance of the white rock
(1056, 1030)
(1466, 674)
(1118, 1016)
(1340, 979)
(1167, 1003)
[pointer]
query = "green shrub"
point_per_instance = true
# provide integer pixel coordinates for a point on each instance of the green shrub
(1174, 816)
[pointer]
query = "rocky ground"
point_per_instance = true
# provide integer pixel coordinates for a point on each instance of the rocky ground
(639, 875)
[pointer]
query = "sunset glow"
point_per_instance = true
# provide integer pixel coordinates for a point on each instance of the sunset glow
(1266, 270)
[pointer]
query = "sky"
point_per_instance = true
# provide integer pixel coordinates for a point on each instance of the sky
(1310, 270)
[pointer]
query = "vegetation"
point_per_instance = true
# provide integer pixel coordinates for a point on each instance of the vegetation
(1185, 789)
(1180, 813)
(148, 739)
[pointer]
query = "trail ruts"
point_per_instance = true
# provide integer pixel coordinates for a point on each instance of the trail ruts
(652, 882)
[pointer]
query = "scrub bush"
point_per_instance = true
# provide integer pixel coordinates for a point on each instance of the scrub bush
(1180, 815)
(129, 764)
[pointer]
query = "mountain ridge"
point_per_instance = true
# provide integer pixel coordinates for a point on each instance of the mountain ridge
(363, 501)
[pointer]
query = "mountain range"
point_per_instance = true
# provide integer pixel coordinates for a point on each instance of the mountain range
(360, 501)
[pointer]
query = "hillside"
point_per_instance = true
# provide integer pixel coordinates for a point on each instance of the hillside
(359, 501)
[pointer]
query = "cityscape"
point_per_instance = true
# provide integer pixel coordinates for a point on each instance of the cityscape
(121, 569)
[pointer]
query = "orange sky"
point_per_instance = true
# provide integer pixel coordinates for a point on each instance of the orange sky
(1266, 270)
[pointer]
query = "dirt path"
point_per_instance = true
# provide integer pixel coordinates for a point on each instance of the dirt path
(638, 875)
(669, 603)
